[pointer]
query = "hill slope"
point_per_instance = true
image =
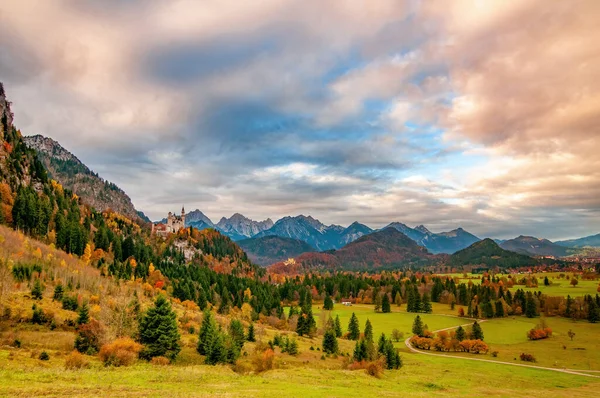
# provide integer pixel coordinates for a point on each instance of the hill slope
(271, 249)
(72, 174)
(533, 246)
(487, 252)
(590, 241)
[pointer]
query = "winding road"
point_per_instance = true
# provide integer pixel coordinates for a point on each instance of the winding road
(569, 371)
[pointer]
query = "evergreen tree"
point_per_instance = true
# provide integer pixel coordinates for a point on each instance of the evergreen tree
(426, 304)
(392, 357)
(360, 351)
(476, 332)
(460, 333)
(158, 331)
(499, 309)
(84, 314)
(353, 328)
(593, 311)
(546, 281)
(236, 332)
(338, 327)
(38, 291)
(385, 304)
(417, 327)
(328, 304)
(292, 347)
(58, 292)
(202, 301)
(381, 344)
(368, 331)
(250, 337)
(330, 343)
(569, 305)
(530, 306)
(207, 331)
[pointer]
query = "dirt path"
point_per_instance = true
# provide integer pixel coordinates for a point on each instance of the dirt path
(569, 371)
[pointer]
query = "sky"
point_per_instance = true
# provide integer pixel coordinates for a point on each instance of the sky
(478, 114)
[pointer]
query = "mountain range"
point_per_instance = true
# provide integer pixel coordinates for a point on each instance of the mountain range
(588, 241)
(534, 246)
(384, 249)
(303, 232)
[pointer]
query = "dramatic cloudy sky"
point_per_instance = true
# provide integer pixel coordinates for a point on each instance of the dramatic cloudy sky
(480, 114)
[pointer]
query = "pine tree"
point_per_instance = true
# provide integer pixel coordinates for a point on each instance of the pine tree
(417, 327)
(207, 331)
(426, 304)
(360, 351)
(38, 291)
(385, 304)
(353, 328)
(330, 343)
(392, 357)
(530, 306)
(84, 314)
(368, 331)
(250, 337)
(476, 332)
(460, 333)
(381, 344)
(338, 327)
(202, 301)
(499, 309)
(546, 281)
(58, 292)
(158, 331)
(328, 303)
(236, 332)
(593, 312)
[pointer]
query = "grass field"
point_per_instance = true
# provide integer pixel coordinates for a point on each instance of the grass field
(311, 375)
(421, 376)
(558, 287)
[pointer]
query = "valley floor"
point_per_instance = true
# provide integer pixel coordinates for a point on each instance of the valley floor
(422, 376)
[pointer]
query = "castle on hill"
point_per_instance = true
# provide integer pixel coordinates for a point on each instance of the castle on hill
(173, 225)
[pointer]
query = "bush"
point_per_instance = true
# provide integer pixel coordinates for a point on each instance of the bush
(76, 361)
(264, 361)
(89, 337)
(495, 354)
(44, 356)
(16, 343)
(527, 357)
(160, 361)
(38, 317)
(538, 334)
(121, 352)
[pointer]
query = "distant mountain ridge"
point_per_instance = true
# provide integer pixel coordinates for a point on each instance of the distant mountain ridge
(72, 174)
(383, 249)
(443, 242)
(487, 253)
(533, 246)
(272, 249)
(238, 227)
(591, 241)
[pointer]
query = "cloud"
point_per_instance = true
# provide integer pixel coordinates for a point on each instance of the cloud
(478, 114)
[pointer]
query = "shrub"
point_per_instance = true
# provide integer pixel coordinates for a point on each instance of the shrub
(160, 361)
(264, 361)
(495, 354)
(474, 346)
(527, 357)
(538, 334)
(16, 343)
(375, 369)
(44, 356)
(38, 316)
(75, 361)
(89, 337)
(121, 352)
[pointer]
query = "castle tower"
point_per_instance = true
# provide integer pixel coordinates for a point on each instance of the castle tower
(182, 216)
